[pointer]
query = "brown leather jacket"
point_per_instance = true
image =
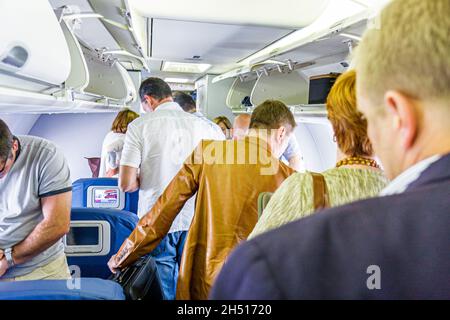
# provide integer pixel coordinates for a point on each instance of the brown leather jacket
(228, 176)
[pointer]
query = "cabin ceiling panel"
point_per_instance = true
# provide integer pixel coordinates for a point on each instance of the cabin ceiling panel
(214, 43)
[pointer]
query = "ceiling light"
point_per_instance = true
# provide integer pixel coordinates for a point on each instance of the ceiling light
(185, 67)
(177, 80)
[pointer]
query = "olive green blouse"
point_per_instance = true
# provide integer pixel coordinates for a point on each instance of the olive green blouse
(294, 198)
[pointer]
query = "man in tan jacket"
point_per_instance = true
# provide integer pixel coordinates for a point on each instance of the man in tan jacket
(228, 176)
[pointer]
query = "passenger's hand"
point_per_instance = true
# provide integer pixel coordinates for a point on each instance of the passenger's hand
(3, 266)
(113, 265)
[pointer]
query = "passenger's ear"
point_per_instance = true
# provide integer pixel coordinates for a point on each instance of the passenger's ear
(15, 145)
(281, 133)
(404, 116)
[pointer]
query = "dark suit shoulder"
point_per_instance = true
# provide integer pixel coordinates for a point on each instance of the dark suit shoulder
(246, 275)
(331, 253)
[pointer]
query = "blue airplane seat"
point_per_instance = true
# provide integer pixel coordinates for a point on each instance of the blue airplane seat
(103, 193)
(75, 289)
(94, 236)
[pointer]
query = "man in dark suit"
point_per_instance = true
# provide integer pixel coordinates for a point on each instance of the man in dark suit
(396, 246)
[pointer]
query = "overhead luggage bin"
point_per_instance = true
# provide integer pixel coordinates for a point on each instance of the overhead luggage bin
(127, 28)
(108, 78)
(50, 71)
(291, 88)
(40, 53)
(238, 91)
(295, 14)
(79, 75)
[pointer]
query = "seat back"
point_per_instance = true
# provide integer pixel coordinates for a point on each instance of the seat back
(76, 289)
(263, 200)
(94, 236)
(103, 193)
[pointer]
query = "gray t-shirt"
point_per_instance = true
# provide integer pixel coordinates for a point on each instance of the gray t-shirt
(40, 170)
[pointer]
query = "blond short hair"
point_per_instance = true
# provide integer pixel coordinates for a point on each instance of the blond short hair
(407, 49)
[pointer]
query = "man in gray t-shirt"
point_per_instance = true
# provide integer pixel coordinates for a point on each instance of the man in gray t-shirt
(35, 201)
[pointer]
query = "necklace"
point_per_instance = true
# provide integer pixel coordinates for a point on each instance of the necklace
(358, 160)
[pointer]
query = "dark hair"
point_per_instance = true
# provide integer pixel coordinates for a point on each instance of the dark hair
(154, 87)
(184, 100)
(272, 114)
(123, 118)
(6, 140)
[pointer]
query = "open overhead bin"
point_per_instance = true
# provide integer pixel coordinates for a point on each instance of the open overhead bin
(129, 29)
(38, 56)
(49, 67)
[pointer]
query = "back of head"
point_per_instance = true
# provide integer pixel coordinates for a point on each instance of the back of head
(241, 125)
(223, 120)
(272, 114)
(156, 88)
(6, 140)
(123, 118)
(242, 121)
(185, 101)
(407, 50)
(350, 128)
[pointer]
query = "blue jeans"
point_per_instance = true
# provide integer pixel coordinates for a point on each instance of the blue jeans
(168, 258)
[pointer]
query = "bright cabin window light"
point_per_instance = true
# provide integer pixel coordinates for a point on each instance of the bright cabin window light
(176, 80)
(185, 67)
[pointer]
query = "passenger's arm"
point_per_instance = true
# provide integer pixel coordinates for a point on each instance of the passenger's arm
(130, 160)
(54, 188)
(128, 179)
(156, 223)
(56, 223)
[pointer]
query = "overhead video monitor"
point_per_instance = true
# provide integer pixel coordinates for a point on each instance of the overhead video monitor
(105, 197)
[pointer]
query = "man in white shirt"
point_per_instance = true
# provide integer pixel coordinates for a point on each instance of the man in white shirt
(156, 145)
